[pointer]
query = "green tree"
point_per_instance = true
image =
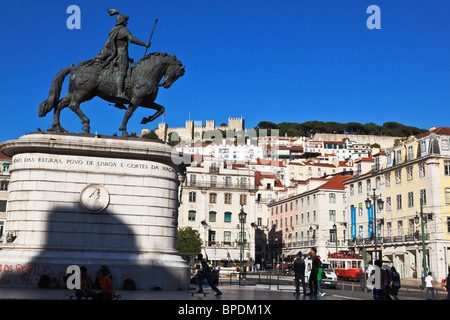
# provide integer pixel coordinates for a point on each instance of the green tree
(188, 242)
(151, 135)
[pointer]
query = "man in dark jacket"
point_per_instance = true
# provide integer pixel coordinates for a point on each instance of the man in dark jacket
(299, 269)
(315, 265)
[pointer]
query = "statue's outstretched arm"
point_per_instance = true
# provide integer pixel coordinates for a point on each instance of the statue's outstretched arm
(135, 40)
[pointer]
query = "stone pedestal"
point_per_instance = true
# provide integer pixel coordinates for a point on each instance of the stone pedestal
(91, 201)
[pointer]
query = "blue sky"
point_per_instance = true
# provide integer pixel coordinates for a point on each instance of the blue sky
(280, 61)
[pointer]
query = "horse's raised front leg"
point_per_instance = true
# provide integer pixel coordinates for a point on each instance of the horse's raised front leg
(131, 108)
(159, 111)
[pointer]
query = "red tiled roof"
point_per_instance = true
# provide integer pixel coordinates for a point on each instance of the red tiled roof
(4, 156)
(267, 162)
(266, 175)
(445, 131)
(365, 159)
(335, 183)
(310, 163)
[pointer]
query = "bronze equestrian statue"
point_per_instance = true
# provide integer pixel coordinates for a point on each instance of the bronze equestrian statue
(111, 77)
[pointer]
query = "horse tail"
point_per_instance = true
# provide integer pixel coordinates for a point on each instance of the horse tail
(55, 91)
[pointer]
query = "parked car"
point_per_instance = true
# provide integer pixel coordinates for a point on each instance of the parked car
(330, 280)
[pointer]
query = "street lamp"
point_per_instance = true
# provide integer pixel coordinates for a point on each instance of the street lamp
(380, 204)
(242, 217)
(422, 229)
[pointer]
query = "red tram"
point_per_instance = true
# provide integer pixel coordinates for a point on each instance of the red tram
(347, 265)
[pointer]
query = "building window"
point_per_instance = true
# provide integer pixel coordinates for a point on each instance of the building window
(227, 217)
(191, 215)
(5, 170)
(369, 185)
(243, 199)
(192, 196)
(227, 181)
(377, 164)
(212, 198)
(301, 219)
(332, 215)
(193, 179)
(399, 202)
(447, 168)
(228, 199)
(422, 170)
(447, 195)
(4, 185)
(360, 210)
(332, 197)
(314, 216)
(400, 228)
(410, 199)
(378, 182)
(361, 232)
(410, 153)
(398, 176)
(399, 156)
(409, 173)
(2, 225)
(212, 216)
(423, 147)
(352, 190)
(227, 237)
(388, 204)
(307, 216)
(444, 144)
(423, 196)
(387, 180)
(213, 181)
(259, 222)
(359, 187)
(389, 229)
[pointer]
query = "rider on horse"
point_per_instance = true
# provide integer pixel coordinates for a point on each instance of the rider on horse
(115, 50)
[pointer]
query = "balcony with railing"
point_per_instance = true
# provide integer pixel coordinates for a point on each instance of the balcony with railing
(225, 244)
(405, 239)
(220, 185)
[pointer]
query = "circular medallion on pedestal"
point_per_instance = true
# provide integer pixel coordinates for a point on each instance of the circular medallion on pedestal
(94, 198)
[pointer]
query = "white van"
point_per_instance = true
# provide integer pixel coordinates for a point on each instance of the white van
(329, 281)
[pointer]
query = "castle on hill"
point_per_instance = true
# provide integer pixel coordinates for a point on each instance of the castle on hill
(193, 128)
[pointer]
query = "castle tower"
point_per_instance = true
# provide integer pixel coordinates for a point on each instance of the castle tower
(236, 124)
(162, 131)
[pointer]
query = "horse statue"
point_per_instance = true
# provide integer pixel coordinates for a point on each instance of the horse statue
(89, 79)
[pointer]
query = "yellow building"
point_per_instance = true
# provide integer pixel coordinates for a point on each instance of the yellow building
(402, 176)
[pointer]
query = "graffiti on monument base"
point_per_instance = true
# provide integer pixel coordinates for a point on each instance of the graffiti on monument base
(27, 275)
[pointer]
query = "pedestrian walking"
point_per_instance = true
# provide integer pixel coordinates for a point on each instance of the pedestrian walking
(299, 271)
(315, 264)
(205, 273)
(379, 288)
(320, 275)
(395, 285)
(447, 286)
(388, 283)
(430, 286)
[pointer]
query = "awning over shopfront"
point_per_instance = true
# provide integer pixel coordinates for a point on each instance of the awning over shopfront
(225, 254)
